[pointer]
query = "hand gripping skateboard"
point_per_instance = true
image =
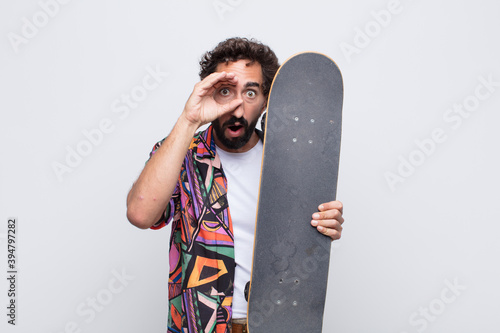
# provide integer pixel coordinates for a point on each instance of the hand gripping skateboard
(299, 172)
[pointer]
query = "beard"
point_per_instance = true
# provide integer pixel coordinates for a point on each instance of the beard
(238, 142)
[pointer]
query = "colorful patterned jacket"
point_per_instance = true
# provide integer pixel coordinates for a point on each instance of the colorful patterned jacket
(201, 257)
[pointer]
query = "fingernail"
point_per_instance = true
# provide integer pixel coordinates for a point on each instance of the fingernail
(314, 223)
(321, 207)
(315, 216)
(321, 229)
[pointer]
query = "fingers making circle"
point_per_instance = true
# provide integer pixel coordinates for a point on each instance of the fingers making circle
(201, 107)
(215, 80)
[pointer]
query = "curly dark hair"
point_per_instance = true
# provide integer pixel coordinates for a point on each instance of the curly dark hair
(234, 49)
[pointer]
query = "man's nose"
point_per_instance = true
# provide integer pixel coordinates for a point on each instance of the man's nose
(239, 111)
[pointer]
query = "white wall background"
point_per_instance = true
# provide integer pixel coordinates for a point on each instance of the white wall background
(418, 254)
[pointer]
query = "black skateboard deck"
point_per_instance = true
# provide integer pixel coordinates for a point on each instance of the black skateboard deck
(299, 172)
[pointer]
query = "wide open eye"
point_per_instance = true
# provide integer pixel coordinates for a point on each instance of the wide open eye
(224, 92)
(251, 94)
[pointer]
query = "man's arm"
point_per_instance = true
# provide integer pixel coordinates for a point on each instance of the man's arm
(151, 192)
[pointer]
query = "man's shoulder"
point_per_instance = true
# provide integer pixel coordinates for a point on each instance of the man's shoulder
(202, 135)
(203, 144)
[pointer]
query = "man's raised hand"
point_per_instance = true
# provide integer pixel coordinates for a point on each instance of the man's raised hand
(201, 107)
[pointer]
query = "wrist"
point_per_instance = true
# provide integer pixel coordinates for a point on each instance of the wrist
(186, 125)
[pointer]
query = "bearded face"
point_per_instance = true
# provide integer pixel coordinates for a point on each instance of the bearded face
(234, 125)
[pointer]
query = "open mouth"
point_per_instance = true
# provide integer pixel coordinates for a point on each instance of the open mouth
(235, 128)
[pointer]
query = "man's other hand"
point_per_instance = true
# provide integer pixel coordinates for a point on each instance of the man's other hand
(328, 220)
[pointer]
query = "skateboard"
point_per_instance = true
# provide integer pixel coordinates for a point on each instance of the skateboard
(299, 172)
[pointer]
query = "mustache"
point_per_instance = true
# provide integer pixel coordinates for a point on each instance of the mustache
(233, 120)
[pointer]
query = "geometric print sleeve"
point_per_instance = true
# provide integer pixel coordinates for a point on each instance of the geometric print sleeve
(172, 210)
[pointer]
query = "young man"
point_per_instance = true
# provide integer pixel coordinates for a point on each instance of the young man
(191, 180)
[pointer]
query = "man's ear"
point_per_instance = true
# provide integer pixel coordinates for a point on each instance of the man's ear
(264, 107)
